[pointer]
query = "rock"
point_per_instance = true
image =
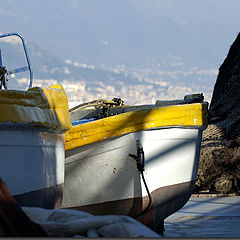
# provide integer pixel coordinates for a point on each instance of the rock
(223, 184)
(219, 165)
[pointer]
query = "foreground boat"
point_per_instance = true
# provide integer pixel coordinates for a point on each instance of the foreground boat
(139, 161)
(32, 133)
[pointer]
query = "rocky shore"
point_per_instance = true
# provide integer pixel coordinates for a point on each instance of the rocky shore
(219, 166)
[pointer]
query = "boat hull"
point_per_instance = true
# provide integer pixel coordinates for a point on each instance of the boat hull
(101, 178)
(32, 165)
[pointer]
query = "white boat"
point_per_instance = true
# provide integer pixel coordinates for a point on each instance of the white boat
(139, 161)
(32, 134)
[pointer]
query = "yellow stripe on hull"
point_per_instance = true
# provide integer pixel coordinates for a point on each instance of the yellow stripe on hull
(189, 115)
(47, 107)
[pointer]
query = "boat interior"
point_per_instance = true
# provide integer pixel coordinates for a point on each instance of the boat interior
(102, 108)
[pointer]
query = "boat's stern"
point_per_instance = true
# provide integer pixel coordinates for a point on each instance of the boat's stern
(32, 144)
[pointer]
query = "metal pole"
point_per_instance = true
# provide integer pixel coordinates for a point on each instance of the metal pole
(26, 54)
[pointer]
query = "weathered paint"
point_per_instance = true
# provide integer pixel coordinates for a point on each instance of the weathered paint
(31, 159)
(171, 157)
(166, 201)
(177, 115)
(47, 197)
(102, 178)
(32, 126)
(47, 107)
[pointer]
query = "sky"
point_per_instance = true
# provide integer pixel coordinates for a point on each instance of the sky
(109, 33)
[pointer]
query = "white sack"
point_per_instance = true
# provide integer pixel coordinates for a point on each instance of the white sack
(66, 223)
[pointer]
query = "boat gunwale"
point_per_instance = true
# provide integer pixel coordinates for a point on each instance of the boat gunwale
(90, 132)
(45, 108)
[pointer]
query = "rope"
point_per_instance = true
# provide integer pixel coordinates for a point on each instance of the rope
(140, 159)
(98, 103)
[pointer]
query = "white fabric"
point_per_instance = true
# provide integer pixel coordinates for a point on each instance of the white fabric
(66, 223)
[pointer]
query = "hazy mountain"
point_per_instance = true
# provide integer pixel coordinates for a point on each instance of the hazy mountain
(47, 66)
(136, 33)
(142, 49)
(86, 82)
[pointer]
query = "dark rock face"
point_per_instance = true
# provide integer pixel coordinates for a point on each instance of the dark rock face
(219, 166)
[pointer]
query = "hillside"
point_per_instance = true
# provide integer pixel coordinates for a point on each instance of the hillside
(49, 69)
(86, 82)
(140, 50)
